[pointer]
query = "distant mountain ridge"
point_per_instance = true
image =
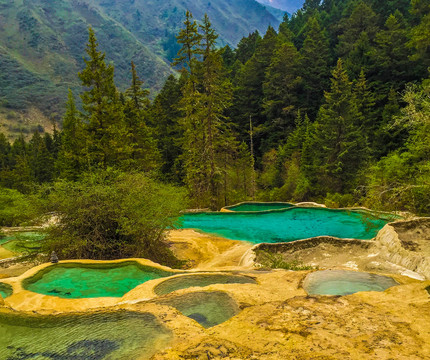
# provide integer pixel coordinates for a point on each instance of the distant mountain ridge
(42, 42)
(290, 6)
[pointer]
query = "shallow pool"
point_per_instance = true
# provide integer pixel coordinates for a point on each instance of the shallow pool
(255, 206)
(22, 242)
(200, 280)
(117, 335)
(343, 282)
(74, 281)
(287, 225)
(208, 308)
(5, 290)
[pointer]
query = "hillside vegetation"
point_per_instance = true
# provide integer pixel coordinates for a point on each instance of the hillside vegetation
(42, 46)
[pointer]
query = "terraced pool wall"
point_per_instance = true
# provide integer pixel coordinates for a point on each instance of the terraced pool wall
(390, 244)
(310, 243)
(254, 206)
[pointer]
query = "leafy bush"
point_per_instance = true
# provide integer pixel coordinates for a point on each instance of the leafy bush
(16, 208)
(339, 200)
(110, 215)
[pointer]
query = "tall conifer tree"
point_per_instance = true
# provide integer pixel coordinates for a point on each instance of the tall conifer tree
(103, 110)
(72, 158)
(341, 146)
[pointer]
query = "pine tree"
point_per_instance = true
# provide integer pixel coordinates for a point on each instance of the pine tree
(20, 177)
(390, 136)
(248, 92)
(246, 47)
(358, 38)
(216, 97)
(391, 56)
(141, 146)
(189, 38)
(314, 66)
(41, 161)
(103, 115)
(193, 130)
(72, 158)
(342, 147)
(280, 90)
(365, 105)
(164, 117)
(420, 34)
(206, 95)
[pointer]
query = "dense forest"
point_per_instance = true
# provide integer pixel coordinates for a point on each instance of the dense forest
(333, 107)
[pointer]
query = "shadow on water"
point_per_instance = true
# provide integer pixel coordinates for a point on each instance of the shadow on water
(121, 335)
(80, 350)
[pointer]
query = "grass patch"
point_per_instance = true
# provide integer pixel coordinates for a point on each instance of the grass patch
(277, 261)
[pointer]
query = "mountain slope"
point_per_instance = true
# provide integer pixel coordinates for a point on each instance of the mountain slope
(42, 43)
(290, 6)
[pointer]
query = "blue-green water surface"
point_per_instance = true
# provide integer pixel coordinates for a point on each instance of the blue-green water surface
(208, 308)
(21, 242)
(5, 290)
(75, 281)
(343, 282)
(100, 336)
(287, 225)
(199, 280)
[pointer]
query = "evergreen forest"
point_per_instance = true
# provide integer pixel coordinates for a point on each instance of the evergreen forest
(332, 107)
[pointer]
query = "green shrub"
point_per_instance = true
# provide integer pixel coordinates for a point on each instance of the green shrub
(339, 200)
(16, 208)
(110, 215)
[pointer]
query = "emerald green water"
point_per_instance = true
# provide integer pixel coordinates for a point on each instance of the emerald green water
(259, 206)
(187, 281)
(286, 225)
(208, 308)
(22, 242)
(101, 336)
(75, 281)
(341, 282)
(5, 290)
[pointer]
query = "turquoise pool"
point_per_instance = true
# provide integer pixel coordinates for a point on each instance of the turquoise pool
(5, 290)
(208, 308)
(75, 281)
(22, 242)
(200, 280)
(287, 225)
(118, 335)
(256, 206)
(343, 282)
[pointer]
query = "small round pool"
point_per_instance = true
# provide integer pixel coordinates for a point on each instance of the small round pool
(5, 290)
(76, 280)
(200, 280)
(343, 282)
(208, 308)
(99, 336)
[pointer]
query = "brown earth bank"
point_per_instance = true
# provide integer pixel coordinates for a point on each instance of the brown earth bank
(203, 251)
